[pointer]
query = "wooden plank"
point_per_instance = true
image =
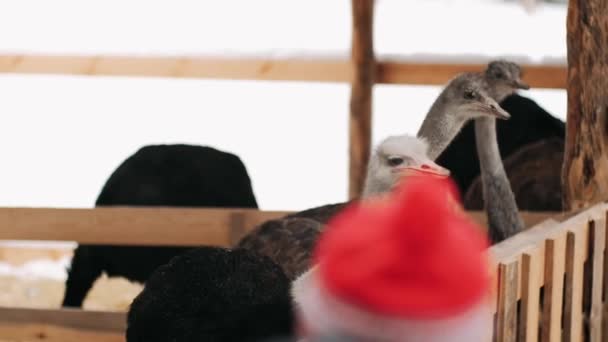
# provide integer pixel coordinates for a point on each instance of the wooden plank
(605, 287)
(597, 242)
(585, 167)
(65, 325)
(396, 72)
(69, 318)
(573, 295)
(363, 66)
(312, 69)
(506, 320)
(530, 296)
(555, 261)
(126, 226)
(51, 333)
(146, 226)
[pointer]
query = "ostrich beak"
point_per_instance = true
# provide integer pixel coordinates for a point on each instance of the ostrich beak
(428, 167)
(519, 84)
(495, 110)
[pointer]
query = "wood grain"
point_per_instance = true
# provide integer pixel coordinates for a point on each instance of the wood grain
(597, 245)
(311, 69)
(530, 297)
(585, 167)
(573, 295)
(506, 321)
(130, 226)
(149, 226)
(555, 262)
(364, 67)
(64, 325)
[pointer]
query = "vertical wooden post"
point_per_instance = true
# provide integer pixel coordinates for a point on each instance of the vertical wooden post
(585, 169)
(364, 66)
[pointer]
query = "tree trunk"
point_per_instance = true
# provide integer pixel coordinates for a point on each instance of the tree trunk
(585, 169)
(364, 66)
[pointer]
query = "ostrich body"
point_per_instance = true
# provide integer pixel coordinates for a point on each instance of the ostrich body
(212, 294)
(158, 175)
(532, 175)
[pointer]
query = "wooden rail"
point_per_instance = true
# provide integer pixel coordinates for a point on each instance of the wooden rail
(149, 226)
(296, 69)
(64, 325)
(131, 226)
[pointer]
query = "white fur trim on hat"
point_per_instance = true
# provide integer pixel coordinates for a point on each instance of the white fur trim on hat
(323, 313)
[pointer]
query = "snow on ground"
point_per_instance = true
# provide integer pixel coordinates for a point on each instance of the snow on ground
(41, 268)
(62, 136)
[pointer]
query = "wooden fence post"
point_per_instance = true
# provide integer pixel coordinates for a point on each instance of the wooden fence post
(364, 68)
(585, 169)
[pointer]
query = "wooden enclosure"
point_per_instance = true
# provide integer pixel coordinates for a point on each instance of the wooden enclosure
(551, 280)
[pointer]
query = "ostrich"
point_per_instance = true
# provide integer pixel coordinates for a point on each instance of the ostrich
(158, 175)
(289, 241)
(212, 294)
(463, 98)
(503, 78)
(529, 123)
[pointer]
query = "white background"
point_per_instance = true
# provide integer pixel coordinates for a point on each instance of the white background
(62, 136)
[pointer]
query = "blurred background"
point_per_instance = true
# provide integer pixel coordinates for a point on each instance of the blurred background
(61, 136)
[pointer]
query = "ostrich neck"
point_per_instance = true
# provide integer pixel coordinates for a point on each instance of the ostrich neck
(503, 216)
(439, 129)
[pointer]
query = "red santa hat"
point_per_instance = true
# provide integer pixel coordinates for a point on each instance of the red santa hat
(410, 267)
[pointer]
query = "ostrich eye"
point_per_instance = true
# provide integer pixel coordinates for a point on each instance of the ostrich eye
(395, 161)
(469, 95)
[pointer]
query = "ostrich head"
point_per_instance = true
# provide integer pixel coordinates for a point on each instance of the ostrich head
(464, 98)
(395, 157)
(468, 98)
(503, 78)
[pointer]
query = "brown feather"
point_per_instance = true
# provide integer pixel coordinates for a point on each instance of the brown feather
(289, 242)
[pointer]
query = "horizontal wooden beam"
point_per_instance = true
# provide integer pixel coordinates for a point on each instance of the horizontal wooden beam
(149, 226)
(297, 69)
(131, 226)
(61, 325)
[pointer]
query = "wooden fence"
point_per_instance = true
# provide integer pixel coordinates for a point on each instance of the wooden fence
(551, 281)
(561, 255)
